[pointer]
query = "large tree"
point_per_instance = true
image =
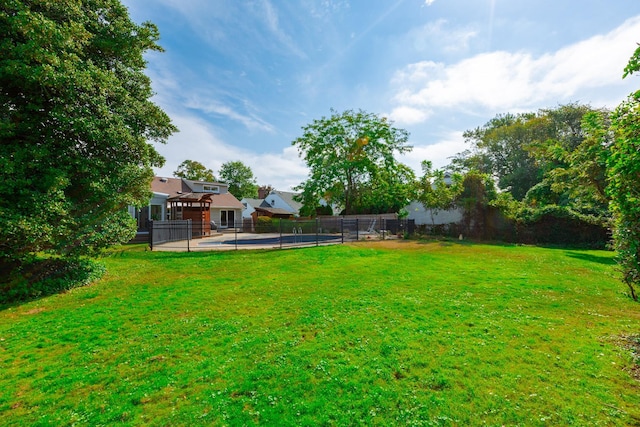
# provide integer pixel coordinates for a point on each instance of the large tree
(501, 148)
(552, 156)
(240, 179)
(476, 191)
(351, 160)
(437, 190)
(573, 155)
(75, 124)
(195, 171)
(624, 182)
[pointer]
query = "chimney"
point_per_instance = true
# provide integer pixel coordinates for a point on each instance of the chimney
(263, 192)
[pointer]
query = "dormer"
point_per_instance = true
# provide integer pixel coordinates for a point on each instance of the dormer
(208, 188)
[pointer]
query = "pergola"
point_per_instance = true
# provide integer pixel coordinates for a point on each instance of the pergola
(193, 206)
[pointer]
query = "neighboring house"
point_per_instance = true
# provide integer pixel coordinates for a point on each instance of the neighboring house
(278, 204)
(178, 198)
(253, 208)
(283, 200)
(271, 213)
(424, 216)
(249, 206)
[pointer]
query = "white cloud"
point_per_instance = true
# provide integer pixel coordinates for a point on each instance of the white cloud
(272, 21)
(408, 115)
(197, 140)
(283, 170)
(436, 36)
(211, 106)
(438, 153)
(428, 2)
(177, 87)
(500, 81)
(327, 9)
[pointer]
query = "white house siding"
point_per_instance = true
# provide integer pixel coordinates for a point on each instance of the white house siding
(248, 205)
(276, 201)
(232, 217)
(422, 216)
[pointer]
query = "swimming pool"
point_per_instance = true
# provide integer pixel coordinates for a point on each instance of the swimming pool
(289, 239)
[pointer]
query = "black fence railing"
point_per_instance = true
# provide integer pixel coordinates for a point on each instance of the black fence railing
(274, 233)
(169, 231)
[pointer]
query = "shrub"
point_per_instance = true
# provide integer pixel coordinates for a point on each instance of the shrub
(559, 225)
(43, 277)
(264, 224)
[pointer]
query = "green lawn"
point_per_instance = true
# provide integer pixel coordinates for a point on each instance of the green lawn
(382, 334)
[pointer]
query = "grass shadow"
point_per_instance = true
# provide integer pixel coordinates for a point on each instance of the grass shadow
(592, 258)
(47, 276)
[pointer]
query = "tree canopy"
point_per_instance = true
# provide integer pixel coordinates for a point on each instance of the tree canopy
(502, 145)
(437, 190)
(554, 156)
(624, 177)
(550, 166)
(195, 171)
(75, 124)
(240, 179)
(351, 160)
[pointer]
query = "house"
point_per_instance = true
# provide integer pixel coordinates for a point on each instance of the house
(283, 200)
(249, 206)
(424, 216)
(225, 209)
(158, 208)
(200, 201)
(275, 204)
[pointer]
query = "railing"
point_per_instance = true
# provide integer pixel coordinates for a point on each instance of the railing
(274, 233)
(169, 231)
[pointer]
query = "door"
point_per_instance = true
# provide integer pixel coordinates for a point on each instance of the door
(227, 219)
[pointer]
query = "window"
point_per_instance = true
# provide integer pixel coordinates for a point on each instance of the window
(156, 212)
(211, 188)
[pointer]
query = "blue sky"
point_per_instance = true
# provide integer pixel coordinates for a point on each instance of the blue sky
(240, 78)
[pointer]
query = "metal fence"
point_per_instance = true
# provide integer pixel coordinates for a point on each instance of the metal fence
(169, 231)
(274, 233)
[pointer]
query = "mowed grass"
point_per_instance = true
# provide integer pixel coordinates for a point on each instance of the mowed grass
(404, 333)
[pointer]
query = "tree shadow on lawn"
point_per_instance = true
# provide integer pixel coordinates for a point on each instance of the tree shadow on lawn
(42, 277)
(592, 258)
(446, 241)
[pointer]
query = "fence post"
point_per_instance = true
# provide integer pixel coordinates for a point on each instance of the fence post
(189, 234)
(151, 235)
(357, 230)
(342, 229)
(235, 234)
(280, 233)
(317, 235)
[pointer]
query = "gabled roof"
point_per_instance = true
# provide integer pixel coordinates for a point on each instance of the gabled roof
(225, 201)
(191, 182)
(254, 203)
(287, 196)
(170, 186)
(179, 190)
(274, 211)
